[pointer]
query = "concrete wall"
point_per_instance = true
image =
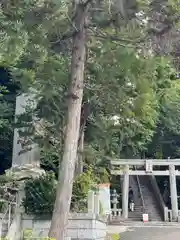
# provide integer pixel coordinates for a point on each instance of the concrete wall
(81, 226)
(158, 196)
(14, 232)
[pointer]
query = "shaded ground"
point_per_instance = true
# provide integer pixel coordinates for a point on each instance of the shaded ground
(151, 233)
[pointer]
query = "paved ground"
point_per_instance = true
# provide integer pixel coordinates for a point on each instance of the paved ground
(151, 233)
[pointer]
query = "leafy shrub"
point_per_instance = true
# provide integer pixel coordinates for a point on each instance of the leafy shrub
(81, 186)
(40, 195)
(8, 190)
(50, 160)
(114, 236)
(28, 235)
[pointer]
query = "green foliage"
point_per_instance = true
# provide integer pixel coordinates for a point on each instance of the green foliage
(83, 183)
(28, 235)
(6, 133)
(115, 236)
(40, 64)
(81, 186)
(50, 160)
(8, 190)
(40, 195)
(165, 141)
(8, 91)
(126, 91)
(3, 90)
(170, 108)
(121, 82)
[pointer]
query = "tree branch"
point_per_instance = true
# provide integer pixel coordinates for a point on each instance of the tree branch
(85, 3)
(168, 26)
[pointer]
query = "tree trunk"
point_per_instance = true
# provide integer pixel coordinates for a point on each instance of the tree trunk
(79, 162)
(58, 228)
(85, 113)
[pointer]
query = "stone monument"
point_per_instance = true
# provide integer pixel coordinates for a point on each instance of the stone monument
(24, 163)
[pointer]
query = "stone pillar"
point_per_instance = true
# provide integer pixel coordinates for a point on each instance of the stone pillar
(125, 192)
(91, 197)
(21, 157)
(96, 204)
(173, 191)
(15, 229)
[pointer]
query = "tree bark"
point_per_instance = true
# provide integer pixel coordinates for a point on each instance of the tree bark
(85, 113)
(79, 161)
(58, 228)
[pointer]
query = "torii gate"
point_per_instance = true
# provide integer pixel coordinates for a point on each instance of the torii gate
(148, 164)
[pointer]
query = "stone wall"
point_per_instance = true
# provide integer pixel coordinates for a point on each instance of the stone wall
(81, 226)
(158, 196)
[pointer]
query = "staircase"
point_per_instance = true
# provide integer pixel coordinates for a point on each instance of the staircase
(137, 214)
(138, 207)
(144, 201)
(150, 204)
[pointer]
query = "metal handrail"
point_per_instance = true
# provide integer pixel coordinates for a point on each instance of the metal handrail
(8, 211)
(140, 192)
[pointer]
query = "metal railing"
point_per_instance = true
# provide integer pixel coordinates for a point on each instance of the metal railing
(140, 192)
(8, 215)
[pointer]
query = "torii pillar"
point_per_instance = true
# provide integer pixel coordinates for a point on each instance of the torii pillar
(125, 192)
(173, 191)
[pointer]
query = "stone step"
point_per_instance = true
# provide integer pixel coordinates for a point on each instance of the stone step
(131, 220)
(151, 207)
(150, 202)
(135, 214)
(138, 223)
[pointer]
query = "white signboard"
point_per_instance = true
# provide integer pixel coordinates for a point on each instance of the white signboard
(145, 217)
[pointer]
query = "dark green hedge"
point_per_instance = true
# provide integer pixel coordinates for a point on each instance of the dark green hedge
(40, 193)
